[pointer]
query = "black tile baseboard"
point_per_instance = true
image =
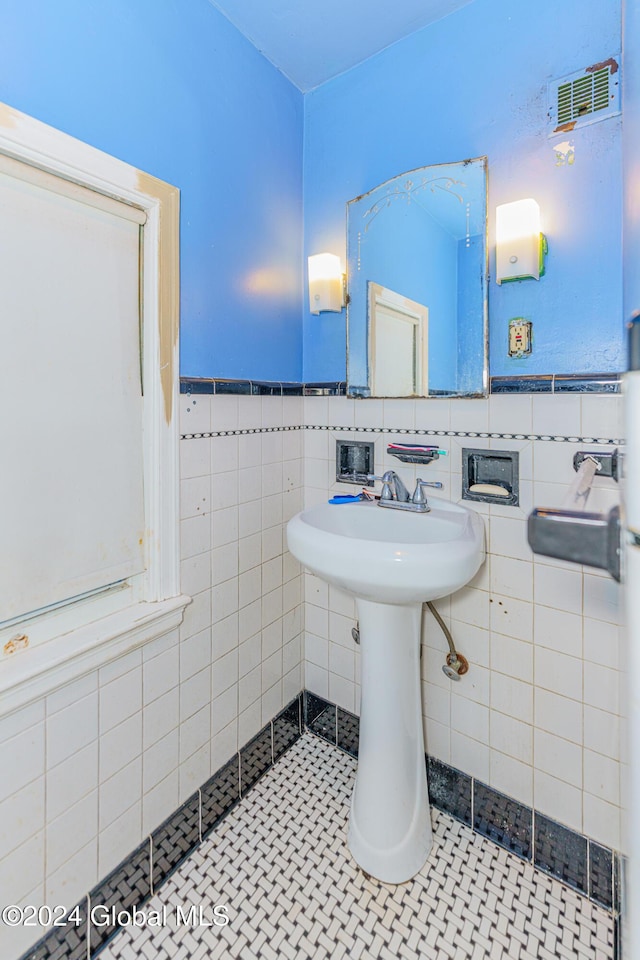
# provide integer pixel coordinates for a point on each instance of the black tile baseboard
(140, 874)
(577, 861)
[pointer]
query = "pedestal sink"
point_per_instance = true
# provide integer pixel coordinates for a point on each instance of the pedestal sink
(392, 562)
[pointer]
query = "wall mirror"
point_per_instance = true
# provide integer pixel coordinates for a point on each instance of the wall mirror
(417, 281)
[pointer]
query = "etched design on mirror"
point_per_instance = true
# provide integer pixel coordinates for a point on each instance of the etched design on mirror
(409, 190)
(428, 254)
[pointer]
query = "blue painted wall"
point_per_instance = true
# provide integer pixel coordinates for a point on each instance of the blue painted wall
(475, 83)
(171, 87)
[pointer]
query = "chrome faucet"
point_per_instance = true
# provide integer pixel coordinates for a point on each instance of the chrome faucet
(395, 494)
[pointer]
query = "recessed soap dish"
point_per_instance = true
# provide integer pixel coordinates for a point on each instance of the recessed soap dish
(490, 476)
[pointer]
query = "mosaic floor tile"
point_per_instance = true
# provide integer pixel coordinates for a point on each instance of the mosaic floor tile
(280, 865)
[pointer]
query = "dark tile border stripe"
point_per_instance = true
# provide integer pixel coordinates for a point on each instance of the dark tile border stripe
(535, 383)
(140, 875)
(262, 388)
(580, 863)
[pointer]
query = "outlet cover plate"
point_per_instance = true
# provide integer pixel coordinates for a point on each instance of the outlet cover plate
(520, 336)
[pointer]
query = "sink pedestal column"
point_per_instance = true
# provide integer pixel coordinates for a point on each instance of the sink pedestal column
(389, 825)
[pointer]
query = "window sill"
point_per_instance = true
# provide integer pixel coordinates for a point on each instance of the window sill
(31, 674)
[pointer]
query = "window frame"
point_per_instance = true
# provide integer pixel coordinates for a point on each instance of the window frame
(44, 651)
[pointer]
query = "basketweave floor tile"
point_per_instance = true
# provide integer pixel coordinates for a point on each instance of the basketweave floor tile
(280, 866)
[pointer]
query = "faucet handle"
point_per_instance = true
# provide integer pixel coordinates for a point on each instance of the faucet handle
(386, 485)
(418, 495)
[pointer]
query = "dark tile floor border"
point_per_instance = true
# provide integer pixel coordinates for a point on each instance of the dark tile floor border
(140, 874)
(586, 866)
(577, 861)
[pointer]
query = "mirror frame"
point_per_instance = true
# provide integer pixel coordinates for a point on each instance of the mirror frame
(485, 304)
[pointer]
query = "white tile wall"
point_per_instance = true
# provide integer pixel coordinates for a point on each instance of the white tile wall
(537, 716)
(94, 768)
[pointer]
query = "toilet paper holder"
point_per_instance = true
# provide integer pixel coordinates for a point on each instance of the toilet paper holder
(592, 539)
(608, 463)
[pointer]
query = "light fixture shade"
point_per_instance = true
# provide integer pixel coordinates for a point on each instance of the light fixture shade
(519, 241)
(325, 283)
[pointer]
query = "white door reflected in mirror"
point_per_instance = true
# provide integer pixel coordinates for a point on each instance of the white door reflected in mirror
(398, 344)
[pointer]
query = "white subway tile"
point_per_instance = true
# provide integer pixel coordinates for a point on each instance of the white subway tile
(558, 715)
(249, 722)
(342, 692)
(272, 638)
(71, 831)
(224, 672)
(511, 617)
(470, 755)
(470, 415)
(557, 415)
(195, 497)
(160, 674)
(557, 757)
(342, 661)
(119, 793)
(511, 777)
(195, 535)
(195, 693)
(119, 746)
(554, 587)
(160, 802)
(195, 770)
(436, 703)
(601, 821)
(602, 777)
(602, 732)
(601, 416)
(511, 737)
(160, 717)
(120, 699)
(119, 838)
(558, 800)
(602, 688)
(22, 759)
(74, 877)
(437, 737)
(71, 780)
(508, 538)
(558, 630)
(249, 655)
(224, 745)
(23, 869)
(512, 578)
(195, 574)
(471, 606)
(602, 598)
(558, 673)
(316, 679)
(225, 526)
(72, 728)
(469, 718)
(159, 760)
(195, 732)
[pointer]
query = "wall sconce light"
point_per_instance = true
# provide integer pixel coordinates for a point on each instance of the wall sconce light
(520, 244)
(326, 283)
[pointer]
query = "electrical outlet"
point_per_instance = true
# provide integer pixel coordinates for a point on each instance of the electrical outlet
(519, 337)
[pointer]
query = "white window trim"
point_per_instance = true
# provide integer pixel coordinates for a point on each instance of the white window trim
(59, 646)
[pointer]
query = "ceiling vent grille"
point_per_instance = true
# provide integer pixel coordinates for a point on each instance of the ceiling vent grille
(585, 97)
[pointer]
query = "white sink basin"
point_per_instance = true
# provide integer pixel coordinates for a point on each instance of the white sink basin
(386, 555)
(392, 561)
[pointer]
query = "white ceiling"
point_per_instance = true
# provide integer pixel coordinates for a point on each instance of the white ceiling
(311, 41)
